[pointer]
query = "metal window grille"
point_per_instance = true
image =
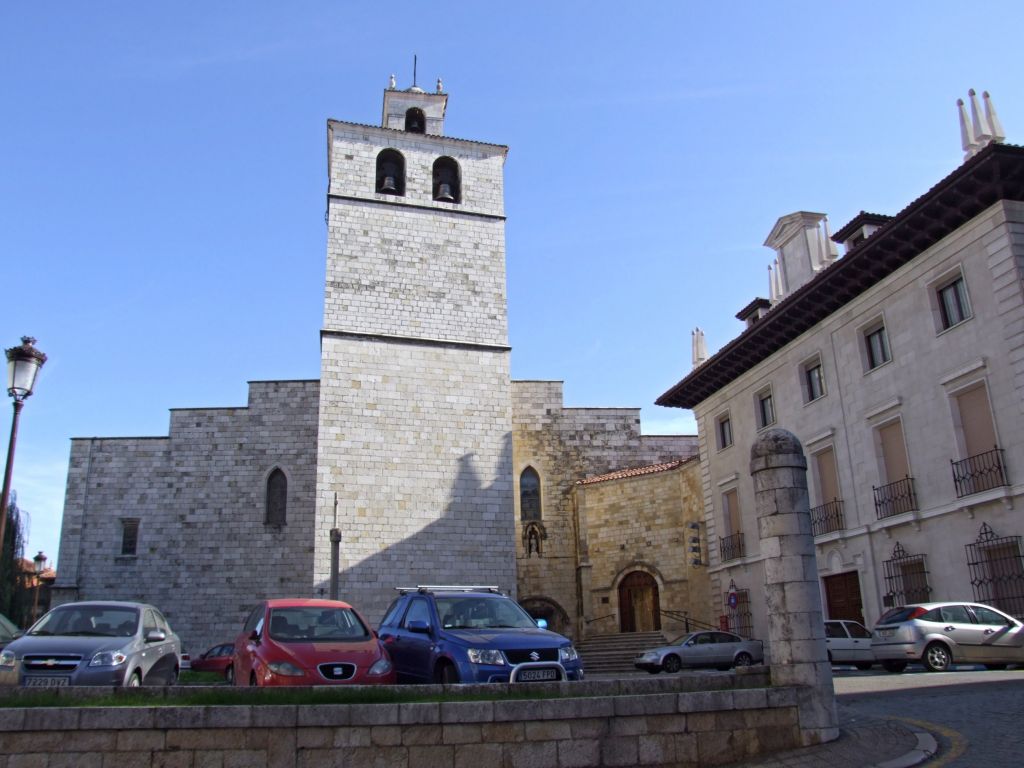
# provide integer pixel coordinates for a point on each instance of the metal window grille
(129, 536)
(731, 547)
(982, 472)
(741, 620)
(895, 498)
(906, 578)
(828, 517)
(997, 571)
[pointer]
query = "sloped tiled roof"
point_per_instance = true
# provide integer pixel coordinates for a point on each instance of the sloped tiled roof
(636, 471)
(996, 173)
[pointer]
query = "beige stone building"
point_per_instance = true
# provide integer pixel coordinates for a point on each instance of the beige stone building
(900, 367)
(602, 512)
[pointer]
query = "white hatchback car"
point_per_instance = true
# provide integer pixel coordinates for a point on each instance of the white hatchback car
(849, 642)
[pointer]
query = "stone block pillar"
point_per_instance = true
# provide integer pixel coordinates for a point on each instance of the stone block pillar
(796, 629)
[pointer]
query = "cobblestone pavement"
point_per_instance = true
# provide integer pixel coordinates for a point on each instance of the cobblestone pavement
(958, 719)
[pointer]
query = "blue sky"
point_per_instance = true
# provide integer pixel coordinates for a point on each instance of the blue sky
(162, 179)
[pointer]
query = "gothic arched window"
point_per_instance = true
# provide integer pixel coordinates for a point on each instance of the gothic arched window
(529, 495)
(277, 499)
(390, 173)
(415, 120)
(447, 185)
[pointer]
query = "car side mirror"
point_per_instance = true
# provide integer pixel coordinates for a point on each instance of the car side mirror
(542, 623)
(156, 636)
(254, 636)
(419, 626)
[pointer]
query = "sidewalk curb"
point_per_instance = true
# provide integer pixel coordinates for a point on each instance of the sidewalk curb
(927, 746)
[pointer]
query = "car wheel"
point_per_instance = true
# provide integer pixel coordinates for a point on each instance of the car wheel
(229, 675)
(172, 678)
(135, 681)
(995, 667)
(743, 660)
(937, 658)
(863, 666)
(894, 666)
(252, 680)
(447, 674)
(671, 663)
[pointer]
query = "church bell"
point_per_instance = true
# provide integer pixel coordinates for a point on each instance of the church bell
(388, 185)
(444, 193)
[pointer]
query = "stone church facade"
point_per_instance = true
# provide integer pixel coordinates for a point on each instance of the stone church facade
(413, 443)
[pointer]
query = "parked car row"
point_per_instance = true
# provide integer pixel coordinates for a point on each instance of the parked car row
(429, 634)
(936, 635)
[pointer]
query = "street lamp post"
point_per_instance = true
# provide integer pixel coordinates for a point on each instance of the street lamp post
(40, 563)
(23, 364)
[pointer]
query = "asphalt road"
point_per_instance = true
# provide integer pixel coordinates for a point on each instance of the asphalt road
(976, 716)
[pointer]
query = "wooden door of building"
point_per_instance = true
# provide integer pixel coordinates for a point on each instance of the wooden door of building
(639, 605)
(842, 596)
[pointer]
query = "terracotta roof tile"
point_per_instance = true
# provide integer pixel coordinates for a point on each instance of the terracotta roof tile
(636, 471)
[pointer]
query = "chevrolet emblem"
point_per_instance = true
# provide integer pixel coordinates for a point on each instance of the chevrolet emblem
(50, 662)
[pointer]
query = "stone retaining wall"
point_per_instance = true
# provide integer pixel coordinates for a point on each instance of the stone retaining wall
(661, 721)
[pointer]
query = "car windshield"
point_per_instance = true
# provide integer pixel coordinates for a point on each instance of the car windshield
(7, 629)
(314, 624)
(89, 620)
(476, 612)
(897, 615)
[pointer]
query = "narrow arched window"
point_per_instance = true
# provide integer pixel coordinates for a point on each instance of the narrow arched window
(447, 183)
(277, 498)
(390, 173)
(529, 495)
(415, 120)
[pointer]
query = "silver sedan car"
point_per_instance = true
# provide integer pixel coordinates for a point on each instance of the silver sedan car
(94, 643)
(721, 650)
(938, 635)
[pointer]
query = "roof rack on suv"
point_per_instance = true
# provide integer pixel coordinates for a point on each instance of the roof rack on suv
(449, 588)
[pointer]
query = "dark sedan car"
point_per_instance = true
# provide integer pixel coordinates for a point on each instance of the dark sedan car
(94, 643)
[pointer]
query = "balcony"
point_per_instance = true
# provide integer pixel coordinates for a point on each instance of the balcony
(979, 473)
(895, 498)
(731, 547)
(828, 518)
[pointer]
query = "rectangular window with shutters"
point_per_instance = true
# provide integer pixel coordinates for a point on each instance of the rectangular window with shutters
(977, 432)
(894, 452)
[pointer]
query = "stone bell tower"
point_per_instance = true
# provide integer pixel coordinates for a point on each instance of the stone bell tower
(414, 447)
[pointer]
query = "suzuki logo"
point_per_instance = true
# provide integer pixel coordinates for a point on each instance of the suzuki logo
(534, 655)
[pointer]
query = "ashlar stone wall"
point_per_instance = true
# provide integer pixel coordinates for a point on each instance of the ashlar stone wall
(565, 445)
(204, 554)
(641, 523)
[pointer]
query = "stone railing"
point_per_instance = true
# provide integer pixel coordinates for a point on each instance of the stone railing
(678, 720)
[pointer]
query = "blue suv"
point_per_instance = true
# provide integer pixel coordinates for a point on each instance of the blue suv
(448, 634)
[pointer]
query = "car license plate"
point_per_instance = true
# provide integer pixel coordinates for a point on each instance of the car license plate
(533, 675)
(885, 632)
(46, 682)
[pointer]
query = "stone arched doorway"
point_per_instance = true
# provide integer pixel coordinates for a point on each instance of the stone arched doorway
(639, 604)
(550, 611)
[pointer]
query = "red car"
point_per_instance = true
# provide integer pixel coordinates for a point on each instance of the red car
(217, 659)
(308, 642)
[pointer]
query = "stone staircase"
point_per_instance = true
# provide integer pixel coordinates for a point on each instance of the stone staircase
(613, 654)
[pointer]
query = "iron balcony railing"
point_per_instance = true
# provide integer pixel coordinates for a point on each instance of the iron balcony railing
(895, 498)
(732, 547)
(828, 517)
(979, 473)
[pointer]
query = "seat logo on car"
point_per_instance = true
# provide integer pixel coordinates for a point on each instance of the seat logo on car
(534, 655)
